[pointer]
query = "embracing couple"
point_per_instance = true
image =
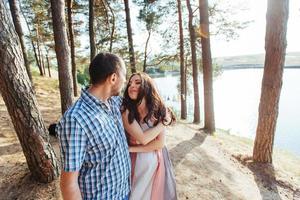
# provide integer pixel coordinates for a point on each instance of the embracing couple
(97, 133)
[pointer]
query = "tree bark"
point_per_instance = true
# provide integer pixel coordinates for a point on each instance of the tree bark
(15, 12)
(62, 54)
(183, 92)
(48, 63)
(18, 95)
(194, 64)
(145, 53)
(37, 58)
(129, 36)
(209, 117)
(39, 52)
(275, 45)
(43, 63)
(72, 45)
(92, 30)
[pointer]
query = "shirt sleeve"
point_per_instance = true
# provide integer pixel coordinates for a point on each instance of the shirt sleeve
(72, 144)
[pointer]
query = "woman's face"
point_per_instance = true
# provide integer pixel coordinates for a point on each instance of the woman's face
(134, 87)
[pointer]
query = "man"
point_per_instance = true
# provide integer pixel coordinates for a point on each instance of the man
(94, 150)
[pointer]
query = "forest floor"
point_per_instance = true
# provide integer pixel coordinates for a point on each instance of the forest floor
(206, 167)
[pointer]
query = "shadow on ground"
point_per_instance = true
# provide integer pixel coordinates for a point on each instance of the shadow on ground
(189, 158)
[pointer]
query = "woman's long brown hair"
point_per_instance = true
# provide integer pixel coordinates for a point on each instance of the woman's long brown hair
(154, 103)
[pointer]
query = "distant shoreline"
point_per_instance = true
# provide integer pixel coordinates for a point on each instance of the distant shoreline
(254, 66)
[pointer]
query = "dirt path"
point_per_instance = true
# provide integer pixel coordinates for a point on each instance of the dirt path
(205, 170)
(205, 167)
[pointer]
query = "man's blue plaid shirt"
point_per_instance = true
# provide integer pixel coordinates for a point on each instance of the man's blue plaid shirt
(93, 142)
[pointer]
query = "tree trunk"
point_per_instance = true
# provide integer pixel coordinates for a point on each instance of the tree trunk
(18, 95)
(37, 58)
(182, 70)
(72, 45)
(39, 52)
(129, 35)
(43, 63)
(277, 17)
(209, 117)
(194, 64)
(33, 45)
(112, 33)
(91, 29)
(145, 53)
(48, 63)
(62, 54)
(15, 12)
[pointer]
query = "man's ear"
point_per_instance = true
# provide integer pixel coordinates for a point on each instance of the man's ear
(113, 78)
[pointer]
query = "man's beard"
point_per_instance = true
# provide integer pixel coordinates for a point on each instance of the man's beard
(116, 92)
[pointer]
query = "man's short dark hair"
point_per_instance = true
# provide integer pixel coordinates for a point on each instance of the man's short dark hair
(102, 66)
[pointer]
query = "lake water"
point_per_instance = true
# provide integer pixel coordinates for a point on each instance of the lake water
(236, 101)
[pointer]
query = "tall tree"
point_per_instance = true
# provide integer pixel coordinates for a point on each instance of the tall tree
(18, 95)
(32, 44)
(40, 56)
(62, 53)
(72, 45)
(277, 17)
(38, 21)
(209, 116)
(15, 12)
(129, 36)
(91, 29)
(183, 93)
(150, 14)
(113, 21)
(48, 64)
(194, 64)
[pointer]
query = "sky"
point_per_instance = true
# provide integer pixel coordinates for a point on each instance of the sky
(251, 40)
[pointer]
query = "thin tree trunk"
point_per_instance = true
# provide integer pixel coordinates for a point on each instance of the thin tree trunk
(39, 52)
(72, 45)
(37, 58)
(91, 29)
(129, 35)
(62, 54)
(18, 95)
(33, 45)
(48, 64)
(145, 53)
(209, 116)
(194, 64)
(277, 17)
(15, 12)
(112, 33)
(43, 63)
(182, 71)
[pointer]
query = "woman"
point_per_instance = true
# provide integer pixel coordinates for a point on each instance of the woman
(144, 118)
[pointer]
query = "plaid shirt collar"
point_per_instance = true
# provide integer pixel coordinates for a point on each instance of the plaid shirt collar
(92, 100)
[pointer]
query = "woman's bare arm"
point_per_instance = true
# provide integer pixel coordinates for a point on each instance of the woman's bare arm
(136, 132)
(156, 144)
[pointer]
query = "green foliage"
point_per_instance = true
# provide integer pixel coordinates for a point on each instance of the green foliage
(83, 77)
(82, 70)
